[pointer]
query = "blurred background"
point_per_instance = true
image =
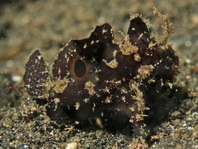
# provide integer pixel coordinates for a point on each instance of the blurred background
(26, 25)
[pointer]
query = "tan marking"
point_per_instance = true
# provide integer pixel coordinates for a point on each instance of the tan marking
(137, 57)
(114, 82)
(134, 86)
(126, 47)
(56, 100)
(49, 85)
(104, 31)
(61, 85)
(77, 105)
(90, 87)
(131, 120)
(140, 36)
(123, 98)
(99, 122)
(166, 27)
(85, 46)
(151, 81)
(93, 108)
(145, 71)
(170, 85)
(86, 100)
(132, 109)
(123, 90)
(112, 64)
(107, 89)
(138, 96)
(108, 99)
(139, 117)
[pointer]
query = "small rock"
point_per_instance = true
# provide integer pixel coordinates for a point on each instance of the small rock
(196, 128)
(72, 145)
(175, 114)
(178, 146)
(176, 122)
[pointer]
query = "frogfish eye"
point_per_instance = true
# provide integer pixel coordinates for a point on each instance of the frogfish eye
(79, 68)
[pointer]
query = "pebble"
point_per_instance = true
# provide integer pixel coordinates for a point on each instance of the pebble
(175, 114)
(72, 145)
(176, 122)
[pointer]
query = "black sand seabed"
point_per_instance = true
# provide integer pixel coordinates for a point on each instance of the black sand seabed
(48, 25)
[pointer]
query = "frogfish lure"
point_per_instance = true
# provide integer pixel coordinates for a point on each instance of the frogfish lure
(101, 77)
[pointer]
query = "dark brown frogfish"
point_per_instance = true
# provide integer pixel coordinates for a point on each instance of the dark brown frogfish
(102, 78)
